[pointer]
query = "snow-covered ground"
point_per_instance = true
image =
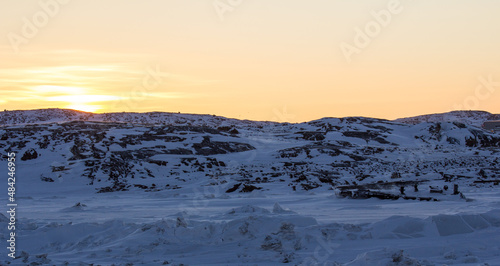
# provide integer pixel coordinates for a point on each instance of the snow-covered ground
(215, 191)
(152, 228)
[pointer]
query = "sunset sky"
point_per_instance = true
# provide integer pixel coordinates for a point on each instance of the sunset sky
(281, 60)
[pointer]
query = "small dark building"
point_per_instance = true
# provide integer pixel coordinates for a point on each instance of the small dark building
(493, 125)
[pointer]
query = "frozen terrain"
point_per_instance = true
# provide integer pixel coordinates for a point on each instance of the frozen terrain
(179, 189)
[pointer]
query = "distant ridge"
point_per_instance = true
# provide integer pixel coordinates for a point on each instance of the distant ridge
(475, 118)
(55, 115)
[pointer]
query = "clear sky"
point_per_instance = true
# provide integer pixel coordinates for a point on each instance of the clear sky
(281, 60)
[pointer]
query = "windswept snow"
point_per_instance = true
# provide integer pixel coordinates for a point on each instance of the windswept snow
(250, 234)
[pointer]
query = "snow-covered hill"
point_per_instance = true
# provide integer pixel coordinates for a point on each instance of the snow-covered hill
(175, 188)
(25, 117)
(475, 118)
(172, 150)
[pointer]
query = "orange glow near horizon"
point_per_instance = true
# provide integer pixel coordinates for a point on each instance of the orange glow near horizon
(264, 60)
(76, 98)
(84, 107)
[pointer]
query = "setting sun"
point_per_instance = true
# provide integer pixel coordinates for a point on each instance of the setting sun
(84, 107)
(85, 103)
(76, 98)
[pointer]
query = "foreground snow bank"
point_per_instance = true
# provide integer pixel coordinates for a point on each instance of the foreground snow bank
(254, 235)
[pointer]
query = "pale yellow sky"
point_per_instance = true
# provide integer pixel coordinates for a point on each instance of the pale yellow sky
(281, 60)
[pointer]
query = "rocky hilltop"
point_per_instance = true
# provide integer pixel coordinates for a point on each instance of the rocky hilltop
(165, 151)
